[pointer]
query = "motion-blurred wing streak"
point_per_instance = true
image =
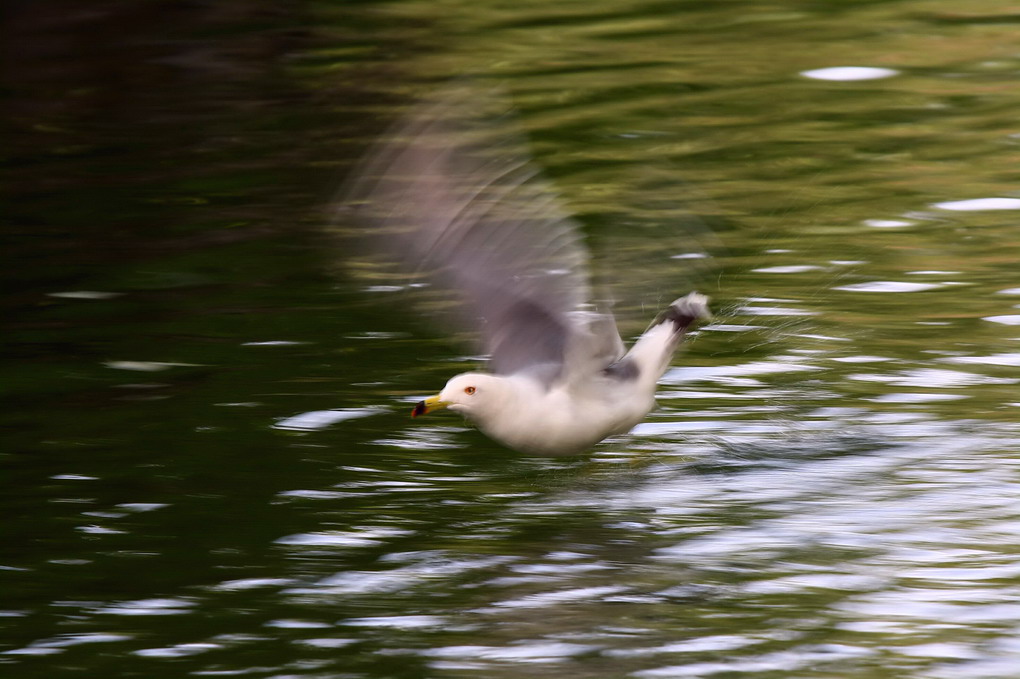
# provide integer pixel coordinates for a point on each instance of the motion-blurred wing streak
(452, 195)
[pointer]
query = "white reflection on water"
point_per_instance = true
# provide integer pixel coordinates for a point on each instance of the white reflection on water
(805, 658)
(287, 623)
(365, 536)
(425, 566)
(773, 311)
(888, 286)
(849, 73)
(147, 366)
(932, 377)
(542, 652)
(793, 268)
(85, 294)
(399, 621)
(320, 419)
(916, 398)
(994, 359)
(560, 596)
(250, 583)
(711, 643)
(178, 651)
(861, 359)
(272, 343)
(980, 204)
(142, 506)
(326, 642)
(887, 223)
(1008, 319)
(730, 327)
(58, 644)
(149, 607)
(725, 374)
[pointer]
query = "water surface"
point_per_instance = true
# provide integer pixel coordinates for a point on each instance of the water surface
(209, 469)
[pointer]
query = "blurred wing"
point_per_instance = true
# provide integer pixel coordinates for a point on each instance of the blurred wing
(450, 193)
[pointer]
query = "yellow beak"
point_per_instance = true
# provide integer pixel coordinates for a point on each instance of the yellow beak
(428, 405)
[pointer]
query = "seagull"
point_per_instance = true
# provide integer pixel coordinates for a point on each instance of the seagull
(451, 196)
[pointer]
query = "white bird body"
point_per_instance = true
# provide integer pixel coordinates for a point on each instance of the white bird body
(523, 415)
(571, 415)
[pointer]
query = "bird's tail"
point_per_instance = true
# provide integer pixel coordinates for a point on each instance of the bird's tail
(653, 351)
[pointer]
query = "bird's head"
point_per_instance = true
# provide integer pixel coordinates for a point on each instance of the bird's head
(474, 395)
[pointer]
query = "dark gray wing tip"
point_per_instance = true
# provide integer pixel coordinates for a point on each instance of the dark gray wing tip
(686, 311)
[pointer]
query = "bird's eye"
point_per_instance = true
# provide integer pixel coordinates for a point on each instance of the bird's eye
(469, 390)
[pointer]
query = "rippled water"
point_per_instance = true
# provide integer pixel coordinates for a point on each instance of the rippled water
(209, 469)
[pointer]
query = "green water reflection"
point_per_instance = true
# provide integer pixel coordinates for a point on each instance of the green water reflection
(827, 490)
